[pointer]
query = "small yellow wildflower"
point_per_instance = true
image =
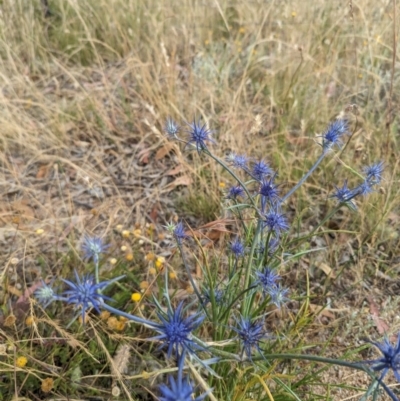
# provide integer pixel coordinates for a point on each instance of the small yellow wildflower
(137, 233)
(39, 231)
(136, 297)
(294, 14)
(150, 257)
(129, 257)
(119, 227)
(152, 271)
(120, 326)
(10, 321)
(21, 361)
(172, 276)
(222, 184)
(29, 320)
(124, 248)
(242, 30)
(113, 261)
(112, 322)
(144, 285)
(125, 233)
(105, 315)
(47, 385)
(159, 262)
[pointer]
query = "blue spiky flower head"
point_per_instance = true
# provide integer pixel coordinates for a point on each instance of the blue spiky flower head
(390, 359)
(266, 279)
(345, 195)
(278, 294)
(45, 294)
(85, 293)
(250, 334)
(171, 128)
(269, 192)
(179, 233)
(176, 330)
(373, 173)
(237, 248)
(261, 170)
(180, 389)
(199, 135)
(333, 134)
(235, 192)
(275, 221)
(238, 161)
(93, 247)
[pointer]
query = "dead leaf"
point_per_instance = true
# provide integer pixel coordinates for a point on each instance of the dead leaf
(175, 170)
(164, 151)
(381, 325)
(143, 156)
(43, 172)
(182, 180)
(321, 311)
(327, 270)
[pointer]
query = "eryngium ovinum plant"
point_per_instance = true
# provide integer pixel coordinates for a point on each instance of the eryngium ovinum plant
(222, 331)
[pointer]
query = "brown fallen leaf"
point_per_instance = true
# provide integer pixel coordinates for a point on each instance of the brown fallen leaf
(381, 325)
(175, 170)
(321, 311)
(164, 151)
(184, 180)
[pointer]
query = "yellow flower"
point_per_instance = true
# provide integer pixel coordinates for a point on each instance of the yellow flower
(136, 297)
(29, 320)
(21, 361)
(125, 233)
(152, 271)
(159, 262)
(39, 231)
(47, 385)
(137, 232)
(113, 261)
(172, 275)
(129, 257)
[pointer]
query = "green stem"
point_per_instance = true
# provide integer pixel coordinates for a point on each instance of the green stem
(250, 262)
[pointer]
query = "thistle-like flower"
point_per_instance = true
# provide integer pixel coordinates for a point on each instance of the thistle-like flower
(237, 248)
(238, 161)
(171, 128)
(278, 295)
(250, 334)
(46, 295)
(235, 192)
(334, 133)
(93, 247)
(85, 293)
(179, 233)
(390, 360)
(275, 222)
(269, 192)
(266, 279)
(176, 331)
(373, 173)
(199, 135)
(261, 170)
(345, 195)
(180, 389)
